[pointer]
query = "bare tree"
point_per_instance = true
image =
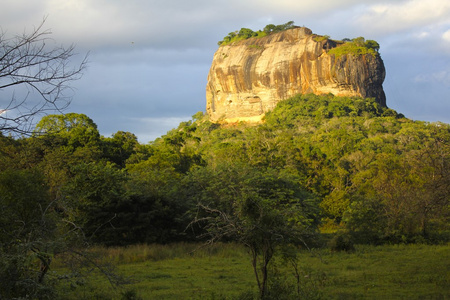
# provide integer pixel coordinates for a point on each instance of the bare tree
(35, 77)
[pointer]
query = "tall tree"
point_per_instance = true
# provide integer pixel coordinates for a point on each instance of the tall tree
(72, 131)
(120, 147)
(262, 209)
(28, 235)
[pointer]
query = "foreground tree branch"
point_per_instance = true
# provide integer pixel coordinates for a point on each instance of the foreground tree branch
(35, 78)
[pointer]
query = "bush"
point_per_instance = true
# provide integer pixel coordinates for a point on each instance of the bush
(358, 46)
(246, 33)
(321, 38)
(130, 295)
(341, 242)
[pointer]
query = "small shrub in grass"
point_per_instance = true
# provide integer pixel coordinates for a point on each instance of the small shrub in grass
(279, 288)
(305, 284)
(130, 295)
(439, 237)
(341, 242)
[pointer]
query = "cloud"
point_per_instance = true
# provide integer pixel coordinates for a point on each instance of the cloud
(389, 17)
(165, 24)
(446, 36)
(301, 7)
(440, 77)
(157, 24)
(17, 14)
(92, 24)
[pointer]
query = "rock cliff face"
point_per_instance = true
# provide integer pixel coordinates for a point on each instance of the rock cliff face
(249, 77)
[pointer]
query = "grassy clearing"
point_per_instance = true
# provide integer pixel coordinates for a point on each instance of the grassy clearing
(224, 272)
(388, 272)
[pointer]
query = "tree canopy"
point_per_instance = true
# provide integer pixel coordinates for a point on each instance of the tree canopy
(246, 33)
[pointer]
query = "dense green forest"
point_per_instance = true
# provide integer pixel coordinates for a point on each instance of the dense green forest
(319, 170)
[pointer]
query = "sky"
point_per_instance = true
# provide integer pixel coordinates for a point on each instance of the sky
(149, 59)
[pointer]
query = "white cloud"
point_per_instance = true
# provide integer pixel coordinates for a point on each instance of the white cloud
(446, 36)
(391, 17)
(439, 77)
(422, 35)
(17, 14)
(92, 24)
(304, 7)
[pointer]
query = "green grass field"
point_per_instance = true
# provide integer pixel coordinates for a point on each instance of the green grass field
(224, 272)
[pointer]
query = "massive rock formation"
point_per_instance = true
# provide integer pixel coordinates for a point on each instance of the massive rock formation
(249, 77)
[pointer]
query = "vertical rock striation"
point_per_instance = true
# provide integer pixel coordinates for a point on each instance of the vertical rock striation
(249, 77)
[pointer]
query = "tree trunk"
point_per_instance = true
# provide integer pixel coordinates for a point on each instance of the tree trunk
(255, 267)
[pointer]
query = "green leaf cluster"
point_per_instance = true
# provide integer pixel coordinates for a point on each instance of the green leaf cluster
(246, 33)
(357, 46)
(242, 34)
(271, 28)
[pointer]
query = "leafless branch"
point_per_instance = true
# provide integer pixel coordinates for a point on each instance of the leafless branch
(40, 73)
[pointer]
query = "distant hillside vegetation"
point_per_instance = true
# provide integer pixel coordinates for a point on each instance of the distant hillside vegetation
(379, 176)
(346, 165)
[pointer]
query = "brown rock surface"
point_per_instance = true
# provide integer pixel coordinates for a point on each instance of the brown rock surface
(249, 77)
